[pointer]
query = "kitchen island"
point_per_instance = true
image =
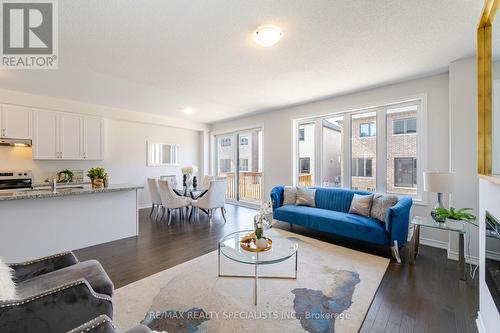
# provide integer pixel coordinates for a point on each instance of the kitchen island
(40, 222)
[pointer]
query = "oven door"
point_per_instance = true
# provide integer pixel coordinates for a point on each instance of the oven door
(12, 184)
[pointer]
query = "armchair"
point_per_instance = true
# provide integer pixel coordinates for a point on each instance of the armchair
(55, 294)
(103, 324)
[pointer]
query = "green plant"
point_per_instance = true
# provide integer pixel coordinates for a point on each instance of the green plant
(461, 214)
(65, 175)
(259, 233)
(96, 173)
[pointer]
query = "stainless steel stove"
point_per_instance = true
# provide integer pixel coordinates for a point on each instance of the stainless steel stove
(15, 179)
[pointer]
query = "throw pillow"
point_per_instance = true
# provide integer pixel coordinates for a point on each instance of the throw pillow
(380, 204)
(290, 195)
(306, 197)
(7, 285)
(361, 204)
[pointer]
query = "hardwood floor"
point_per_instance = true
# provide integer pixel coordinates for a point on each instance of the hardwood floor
(427, 297)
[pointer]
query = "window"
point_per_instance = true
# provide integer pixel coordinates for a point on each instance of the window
(225, 165)
(367, 130)
(374, 149)
(301, 134)
(305, 165)
(404, 126)
(243, 164)
(362, 167)
(225, 142)
(244, 141)
(405, 172)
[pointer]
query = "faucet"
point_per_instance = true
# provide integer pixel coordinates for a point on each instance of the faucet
(53, 184)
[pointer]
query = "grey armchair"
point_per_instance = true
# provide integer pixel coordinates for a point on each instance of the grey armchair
(56, 294)
(103, 324)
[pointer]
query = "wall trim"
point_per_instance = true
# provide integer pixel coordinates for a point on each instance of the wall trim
(434, 243)
(479, 323)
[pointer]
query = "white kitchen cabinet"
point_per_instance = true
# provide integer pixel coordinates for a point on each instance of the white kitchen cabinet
(15, 122)
(45, 135)
(93, 132)
(67, 136)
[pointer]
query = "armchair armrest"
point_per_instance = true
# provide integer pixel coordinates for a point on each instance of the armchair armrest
(277, 196)
(29, 269)
(56, 310)
(398, 220)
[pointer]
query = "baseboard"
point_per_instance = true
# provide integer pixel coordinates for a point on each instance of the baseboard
(453, 255)
(144, 205)
(479, 323)
(434, 243)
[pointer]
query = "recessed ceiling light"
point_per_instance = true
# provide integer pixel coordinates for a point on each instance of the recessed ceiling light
(188, 110)
(267, 35)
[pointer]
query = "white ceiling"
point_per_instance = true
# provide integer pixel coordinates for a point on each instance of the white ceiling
(158, 56)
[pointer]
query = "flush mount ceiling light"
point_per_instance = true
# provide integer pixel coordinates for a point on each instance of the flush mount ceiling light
(267, 35)
(187, 110)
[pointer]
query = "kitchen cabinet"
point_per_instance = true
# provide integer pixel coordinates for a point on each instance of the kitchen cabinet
(15, 122)
(67, 136)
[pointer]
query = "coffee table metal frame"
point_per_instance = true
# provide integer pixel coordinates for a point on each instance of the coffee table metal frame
(256, 274)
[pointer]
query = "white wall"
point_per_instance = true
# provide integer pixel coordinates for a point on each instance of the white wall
(463, 140)
(278, 132)
(124, 145)
(488, 200)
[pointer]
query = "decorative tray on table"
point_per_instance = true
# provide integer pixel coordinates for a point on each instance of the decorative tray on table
(248, 243)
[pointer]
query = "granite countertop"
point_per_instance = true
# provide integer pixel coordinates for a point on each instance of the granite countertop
(61, 184)
(38, 193)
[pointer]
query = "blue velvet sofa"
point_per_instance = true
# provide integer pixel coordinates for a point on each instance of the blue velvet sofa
(331, 215)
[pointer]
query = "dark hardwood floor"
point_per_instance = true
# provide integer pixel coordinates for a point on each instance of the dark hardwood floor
(427, 297)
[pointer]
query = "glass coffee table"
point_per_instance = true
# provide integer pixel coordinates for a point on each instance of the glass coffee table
(281, 250)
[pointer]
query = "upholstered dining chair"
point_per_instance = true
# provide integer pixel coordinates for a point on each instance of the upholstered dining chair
(171, 201)
(213, 199)
(155, 196)
(172, 179)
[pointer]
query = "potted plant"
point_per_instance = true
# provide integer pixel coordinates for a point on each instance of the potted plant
(96, 176)
(458, 215)
(260, 242)
(65, 176)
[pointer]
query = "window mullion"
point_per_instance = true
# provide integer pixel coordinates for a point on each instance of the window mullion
(381, 156)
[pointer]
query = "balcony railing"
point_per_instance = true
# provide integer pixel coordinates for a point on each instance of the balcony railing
(305, 179)
(250, 186)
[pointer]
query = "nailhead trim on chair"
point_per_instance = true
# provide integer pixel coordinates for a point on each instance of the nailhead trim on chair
(42, 259)
(54, 290)
(96, 322)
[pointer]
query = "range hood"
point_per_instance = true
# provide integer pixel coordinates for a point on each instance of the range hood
(15, 142)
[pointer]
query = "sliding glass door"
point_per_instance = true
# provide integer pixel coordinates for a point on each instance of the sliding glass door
(238, 157)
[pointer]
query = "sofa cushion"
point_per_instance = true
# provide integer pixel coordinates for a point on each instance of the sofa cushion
(380, 205)
(289, 195)
(361, 204)
(306, 197)
(90, 270)
(343, 224)
(337, 199)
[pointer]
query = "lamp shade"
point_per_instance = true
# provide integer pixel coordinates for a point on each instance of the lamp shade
(438, 182)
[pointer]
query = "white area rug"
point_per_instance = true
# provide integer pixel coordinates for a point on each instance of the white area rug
(333, 291)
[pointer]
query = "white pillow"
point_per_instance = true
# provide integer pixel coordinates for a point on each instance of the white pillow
(7, 285)
(306, 197)
(289, 195)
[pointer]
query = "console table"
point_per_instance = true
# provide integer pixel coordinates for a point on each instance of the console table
(428, 222)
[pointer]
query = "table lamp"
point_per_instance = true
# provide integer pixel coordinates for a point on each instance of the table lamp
(438, 182)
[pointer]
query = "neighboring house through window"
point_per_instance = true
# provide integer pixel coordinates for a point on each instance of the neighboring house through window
(225, 142)
(301, 134)
(362, 167)
(404, 126)
(225, 165)
(243, 164)
(405, 172)
(244, 141)
(367, 130)
(305, 165)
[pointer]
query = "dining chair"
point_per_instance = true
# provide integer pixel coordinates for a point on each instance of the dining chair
(206, 181)
(171, 178)
(213, 199)
(155, 196)
(171, 201)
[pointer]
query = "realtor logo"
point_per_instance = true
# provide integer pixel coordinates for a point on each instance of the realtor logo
(29, 34)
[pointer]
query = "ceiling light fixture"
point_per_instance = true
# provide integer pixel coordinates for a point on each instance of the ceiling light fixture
(187, 110)
(267, 35)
